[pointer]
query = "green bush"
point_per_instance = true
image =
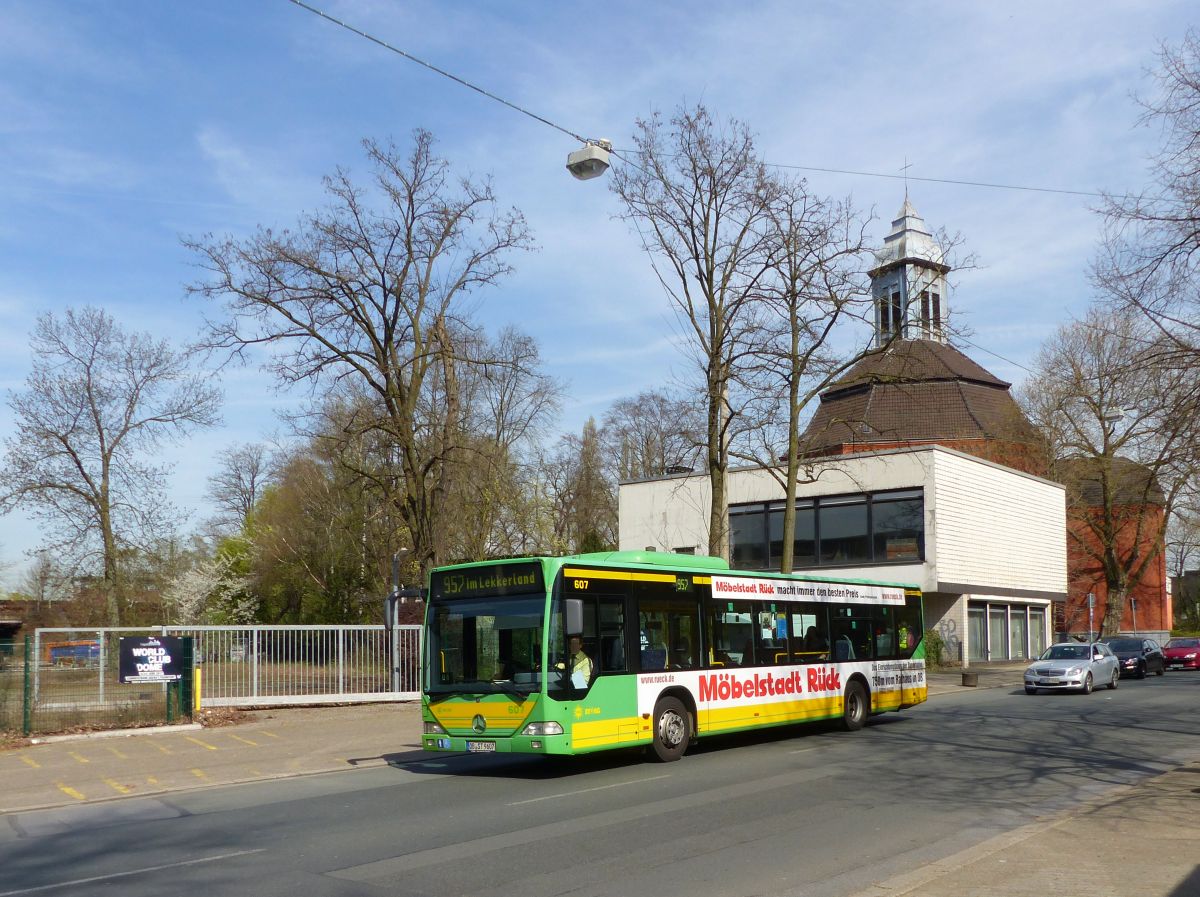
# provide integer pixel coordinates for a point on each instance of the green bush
(935, 649)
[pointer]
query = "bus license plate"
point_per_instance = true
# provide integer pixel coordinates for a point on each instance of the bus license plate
(484, 747)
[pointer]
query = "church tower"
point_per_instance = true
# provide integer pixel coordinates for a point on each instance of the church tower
(908, 282)
(916, 388)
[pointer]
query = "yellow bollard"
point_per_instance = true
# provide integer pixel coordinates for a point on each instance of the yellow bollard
(196, 690)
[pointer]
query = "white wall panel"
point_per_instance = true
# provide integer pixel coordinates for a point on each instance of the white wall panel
(986, 526)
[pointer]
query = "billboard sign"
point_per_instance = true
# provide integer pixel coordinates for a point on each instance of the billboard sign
(151, 658)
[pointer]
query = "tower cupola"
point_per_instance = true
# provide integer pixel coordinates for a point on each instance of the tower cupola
(908, 282)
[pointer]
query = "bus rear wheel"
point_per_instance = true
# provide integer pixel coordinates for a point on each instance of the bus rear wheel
(855, 708)
(672, 729)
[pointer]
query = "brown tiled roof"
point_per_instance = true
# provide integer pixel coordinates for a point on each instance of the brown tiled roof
(917, 391)
(914, 360)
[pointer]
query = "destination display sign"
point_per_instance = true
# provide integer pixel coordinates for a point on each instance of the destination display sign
(480, 582)
(151, 658)
(732, 588)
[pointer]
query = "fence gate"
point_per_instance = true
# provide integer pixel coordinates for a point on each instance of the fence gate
(75, 670)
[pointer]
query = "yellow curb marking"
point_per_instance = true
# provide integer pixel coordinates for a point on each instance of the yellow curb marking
(243, 740)
(31, 762)
(151, 780)
(78, 757)
(203, 744)
(163, 748)
(199, 773)
(70, 792)
(269, 734)
(117, 786)
(118, 754)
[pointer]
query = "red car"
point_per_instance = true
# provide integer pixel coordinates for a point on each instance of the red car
(1182, 654)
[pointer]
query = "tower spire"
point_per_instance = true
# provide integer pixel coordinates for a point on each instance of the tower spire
(909, 280)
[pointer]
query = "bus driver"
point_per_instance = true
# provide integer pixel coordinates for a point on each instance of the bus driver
(580, 663)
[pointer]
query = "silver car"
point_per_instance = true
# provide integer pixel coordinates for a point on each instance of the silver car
(1073, 665)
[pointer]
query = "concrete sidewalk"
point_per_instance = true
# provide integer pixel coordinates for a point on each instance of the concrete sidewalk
(263, 744)
(950, 680)
(1142, 839)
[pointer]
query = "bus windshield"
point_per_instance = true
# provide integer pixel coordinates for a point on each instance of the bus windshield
(485, 645)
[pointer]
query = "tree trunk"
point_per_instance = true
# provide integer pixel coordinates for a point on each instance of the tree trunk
(718, 518)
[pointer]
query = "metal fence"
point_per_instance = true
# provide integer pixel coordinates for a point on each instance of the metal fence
(247, 665)
(12, 685)
(71, 677)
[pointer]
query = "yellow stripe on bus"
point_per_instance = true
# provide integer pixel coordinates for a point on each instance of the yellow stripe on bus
(610, 732)
(502, 714)
(576, 573)
(722, 719)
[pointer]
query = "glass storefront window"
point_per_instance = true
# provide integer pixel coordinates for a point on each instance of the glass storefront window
(804, 544)
(898, 528)
(976, 634)
(997, 633)
(1018, 633)
(1037, 631)
(746, 540)
(844, 536)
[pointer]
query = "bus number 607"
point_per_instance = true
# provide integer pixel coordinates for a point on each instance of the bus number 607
(581, 585)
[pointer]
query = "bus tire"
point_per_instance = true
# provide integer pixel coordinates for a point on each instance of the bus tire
(855, 707)
(672, 729)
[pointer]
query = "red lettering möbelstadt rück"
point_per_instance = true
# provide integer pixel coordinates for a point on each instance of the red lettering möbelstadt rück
(729, 686)
(732, 687)
(824, 679)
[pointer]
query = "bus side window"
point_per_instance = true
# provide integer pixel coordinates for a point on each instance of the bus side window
(908, 630)
(852, 635)
(810, 633)
(612, 635)
(885, 634)
(771, 636)
(723, 626)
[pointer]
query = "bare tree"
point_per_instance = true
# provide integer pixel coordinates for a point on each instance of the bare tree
(96, 406)
(576, 499)
(1151, 257)
(702, 194)
(815, 284)
(370, 296)
(242, 473)
(1122, 415)
(44, 581)
(651, 434)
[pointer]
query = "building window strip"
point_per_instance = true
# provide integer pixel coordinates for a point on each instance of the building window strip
(845, 530)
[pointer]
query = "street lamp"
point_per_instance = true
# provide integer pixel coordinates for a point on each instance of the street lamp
(591, 160)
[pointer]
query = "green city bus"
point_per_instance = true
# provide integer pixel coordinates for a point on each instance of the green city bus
(569, 655)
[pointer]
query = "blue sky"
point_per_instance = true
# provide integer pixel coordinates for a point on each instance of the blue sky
(127, 125)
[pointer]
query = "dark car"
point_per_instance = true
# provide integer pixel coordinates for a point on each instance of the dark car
(1138, 656)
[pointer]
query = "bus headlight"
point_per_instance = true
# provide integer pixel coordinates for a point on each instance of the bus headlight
(434, 729)
(542, 729)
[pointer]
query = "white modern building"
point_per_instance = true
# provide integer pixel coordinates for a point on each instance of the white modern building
(986, 543)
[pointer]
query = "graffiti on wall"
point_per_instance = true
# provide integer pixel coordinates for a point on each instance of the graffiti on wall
(947, 628)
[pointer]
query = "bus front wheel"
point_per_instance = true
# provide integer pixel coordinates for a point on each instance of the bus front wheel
(672, 729)
(854, 711)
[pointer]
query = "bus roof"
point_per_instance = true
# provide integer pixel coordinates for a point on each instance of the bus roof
(700, 563)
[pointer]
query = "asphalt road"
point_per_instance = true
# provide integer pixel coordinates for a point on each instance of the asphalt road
(813, 811)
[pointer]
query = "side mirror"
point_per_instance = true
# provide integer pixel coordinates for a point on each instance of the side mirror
(574, 615)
